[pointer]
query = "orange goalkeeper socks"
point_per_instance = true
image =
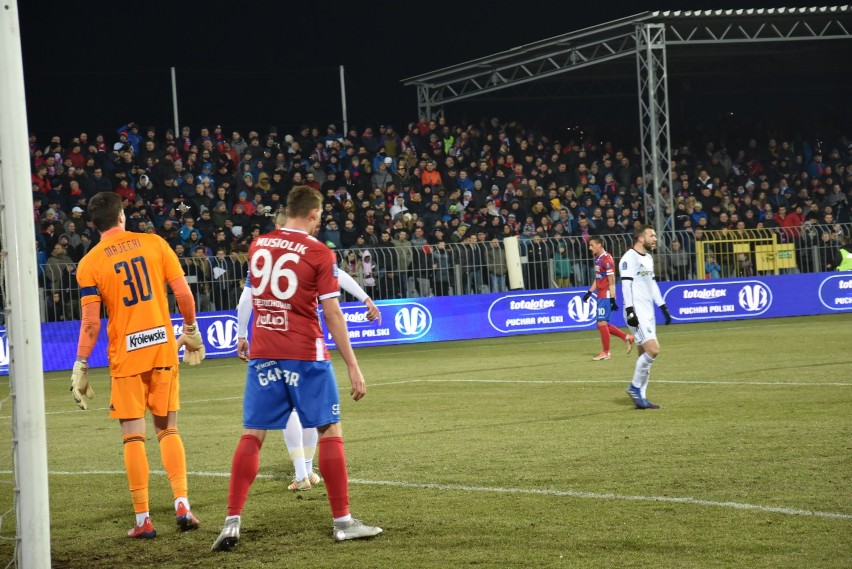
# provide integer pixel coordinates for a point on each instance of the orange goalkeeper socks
(136, 464)
(174, 460)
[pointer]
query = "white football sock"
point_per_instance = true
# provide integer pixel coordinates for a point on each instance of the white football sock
(183, 499)
(310, 436)
(642, 373)
(295, 444)
(140, 518)
(293, 440)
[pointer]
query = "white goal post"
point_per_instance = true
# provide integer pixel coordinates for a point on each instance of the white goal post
(26, 375)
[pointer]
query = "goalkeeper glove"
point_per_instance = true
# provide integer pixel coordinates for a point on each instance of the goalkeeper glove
(666, 315)
(80, 387)
(612, 304)
(632, 319)
(587, 296)
(193, 345)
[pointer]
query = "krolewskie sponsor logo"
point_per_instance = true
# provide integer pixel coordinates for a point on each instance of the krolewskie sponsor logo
(145, 338)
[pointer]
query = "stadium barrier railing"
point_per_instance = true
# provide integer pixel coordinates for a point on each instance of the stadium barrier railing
(453, 269)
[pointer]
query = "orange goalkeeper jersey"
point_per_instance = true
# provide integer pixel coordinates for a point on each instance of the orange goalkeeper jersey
(128, 273)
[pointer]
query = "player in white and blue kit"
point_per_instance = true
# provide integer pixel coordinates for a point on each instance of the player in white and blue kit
(641, 293)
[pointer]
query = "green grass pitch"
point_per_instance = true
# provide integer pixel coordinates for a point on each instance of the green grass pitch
(511, 452)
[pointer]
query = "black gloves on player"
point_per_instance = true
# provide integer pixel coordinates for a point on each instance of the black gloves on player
(632, 319)
(612, 304)
(587, 296)
(665, 311)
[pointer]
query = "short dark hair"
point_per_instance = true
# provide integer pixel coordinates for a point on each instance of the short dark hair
(301, 200)
(104, 209)
(641, 231)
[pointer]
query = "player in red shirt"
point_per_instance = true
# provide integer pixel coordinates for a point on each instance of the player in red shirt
(290, 367)
(605, 286)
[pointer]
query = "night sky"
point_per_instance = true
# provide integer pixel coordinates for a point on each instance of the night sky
(95, 66)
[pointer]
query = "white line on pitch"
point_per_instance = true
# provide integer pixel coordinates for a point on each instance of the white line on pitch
(611, 381)
(529, 491)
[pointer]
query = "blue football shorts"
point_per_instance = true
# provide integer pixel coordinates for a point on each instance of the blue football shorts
(275, 387)
(604, 309)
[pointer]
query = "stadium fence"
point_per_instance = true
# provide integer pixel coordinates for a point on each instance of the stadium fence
(464, 268)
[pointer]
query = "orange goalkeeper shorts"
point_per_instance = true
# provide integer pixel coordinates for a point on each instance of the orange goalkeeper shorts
(156, 390)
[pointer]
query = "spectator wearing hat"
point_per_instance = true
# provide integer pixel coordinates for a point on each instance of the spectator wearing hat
(330, 233)
(240, 220)
(390, 141)
(398, 208)
(131, 135)
(75, 156)
(698, 213)
(352, 265)
(381, 177)
(839, 202)
(204, 223)
(816, 167)
(244, 200)
(348, 234)
(331, 136)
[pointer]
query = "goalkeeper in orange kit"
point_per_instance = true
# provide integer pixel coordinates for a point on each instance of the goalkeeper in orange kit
(127, 273)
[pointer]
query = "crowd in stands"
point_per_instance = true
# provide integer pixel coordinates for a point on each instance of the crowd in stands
(420, 189)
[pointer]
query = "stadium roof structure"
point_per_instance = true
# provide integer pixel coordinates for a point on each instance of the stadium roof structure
(704, 43)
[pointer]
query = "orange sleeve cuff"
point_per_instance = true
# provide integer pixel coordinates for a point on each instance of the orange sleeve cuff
(89, 328)
(184, 298)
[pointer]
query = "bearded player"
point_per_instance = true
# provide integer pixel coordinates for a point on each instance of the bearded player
(641, 292)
